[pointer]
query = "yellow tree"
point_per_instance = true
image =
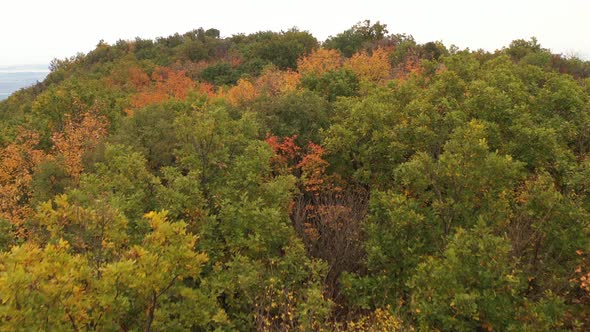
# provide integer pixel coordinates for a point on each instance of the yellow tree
(243, 92)
(59, 286)
(274, 82)
(43, 289)
(319, 62)
(373, 68)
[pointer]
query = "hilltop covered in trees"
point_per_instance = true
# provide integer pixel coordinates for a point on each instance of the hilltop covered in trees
(273, 182)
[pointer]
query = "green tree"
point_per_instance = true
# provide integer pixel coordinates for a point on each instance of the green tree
(303, 114)
(122, 180)
(358, 37)
(466, 183)
(333, 84)
(474, 285)
(363, 140)
(398, 235)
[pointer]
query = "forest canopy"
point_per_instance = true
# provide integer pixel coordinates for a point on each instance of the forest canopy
(275, 182)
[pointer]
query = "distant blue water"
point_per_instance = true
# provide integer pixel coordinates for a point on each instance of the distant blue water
(15, 78)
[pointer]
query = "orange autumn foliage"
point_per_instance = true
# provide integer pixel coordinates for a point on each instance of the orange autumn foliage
(313, 168)
(241, 93)
(138, 78)
(274, 82)
(206, 89)
(582, 272)
(132, 78)
(146, 98)
(79, 137)
(173, 83)
(286, 153)
(408, 68)
(308, 164)
(373, 68)
(325, 215)
(585, 282)
(319, 62)
(167, 84)
(235, 61)
(18, 161)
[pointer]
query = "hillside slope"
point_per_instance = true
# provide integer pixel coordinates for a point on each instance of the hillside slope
(273, 182)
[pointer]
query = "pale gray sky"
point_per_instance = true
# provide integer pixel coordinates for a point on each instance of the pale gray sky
(34, 32)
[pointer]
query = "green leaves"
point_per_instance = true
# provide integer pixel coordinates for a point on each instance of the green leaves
(473, 286)
(303, 114)
(466, 182)
(333, 84)
(398, 236)
(359, 36)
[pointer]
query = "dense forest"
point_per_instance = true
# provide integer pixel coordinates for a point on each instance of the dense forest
(274, 182)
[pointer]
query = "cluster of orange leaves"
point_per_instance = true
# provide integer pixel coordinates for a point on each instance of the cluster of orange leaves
(20, 159)
(584, 278)
(313, 168)
(17, 165)
(408, 68)
(128, 78)
(286, 153)
(167, 83)
(272, 82)
(374, 67)
(79, 137)
(319, 62)
(241, 93)
(585, 282)
(307, 163)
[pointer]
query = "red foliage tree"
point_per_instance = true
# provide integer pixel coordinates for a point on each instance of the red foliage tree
(325, 214)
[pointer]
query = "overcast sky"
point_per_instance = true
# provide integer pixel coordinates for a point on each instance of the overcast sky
(34, 32)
